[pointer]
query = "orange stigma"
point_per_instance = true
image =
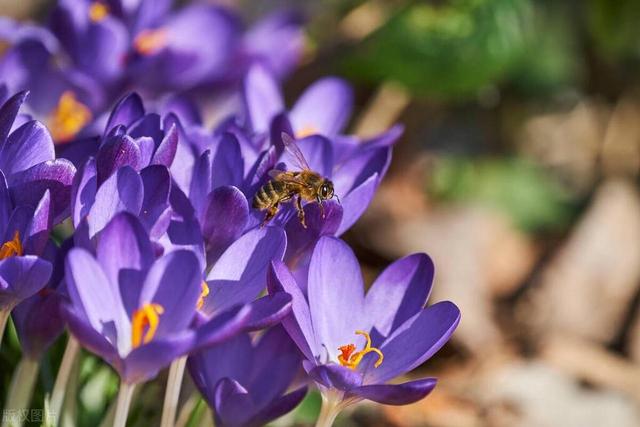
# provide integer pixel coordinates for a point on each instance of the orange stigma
(12, 247)
(98, 11)
(307, 130)
(68, 118)
(149, 42)
(203, 295)
(147, 317)
(351, 358)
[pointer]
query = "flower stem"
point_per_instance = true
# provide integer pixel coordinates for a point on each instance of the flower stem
(4, 316)
(172, 393)
(20, 390)
(60, 386)
(328, 413)
(124, 401)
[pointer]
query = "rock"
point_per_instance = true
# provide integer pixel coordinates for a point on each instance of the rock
(587, 289)
(533, 394)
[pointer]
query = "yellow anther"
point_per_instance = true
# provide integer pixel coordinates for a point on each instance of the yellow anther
(12, 248)
(147, 317)
(149, 42)
(68, 118)
(307, 130)
(98, 11)
(203, 295)
(351, 359)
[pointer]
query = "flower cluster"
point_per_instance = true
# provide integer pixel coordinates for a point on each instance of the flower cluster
(159, 241)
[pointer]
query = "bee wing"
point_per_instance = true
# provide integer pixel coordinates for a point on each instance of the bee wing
(294, 150)
(275, 173)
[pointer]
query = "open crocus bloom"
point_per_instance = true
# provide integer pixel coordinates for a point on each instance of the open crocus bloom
(24, 232)
(245, 382)
(135, 311)
(355, 343)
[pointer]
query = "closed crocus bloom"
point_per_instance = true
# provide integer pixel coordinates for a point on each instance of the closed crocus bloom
(354, 344)
(245, 382)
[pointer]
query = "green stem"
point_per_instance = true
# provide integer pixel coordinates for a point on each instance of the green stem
(124, 401)
(62, 379)
(20, 390)
(172, 392)
(4, 316)
(329, 411)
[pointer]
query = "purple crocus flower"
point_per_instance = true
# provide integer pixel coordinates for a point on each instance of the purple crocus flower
(24, 232)
(135, 311)
(317, 120)
(245, 382)
(355, 343)
(27, 161)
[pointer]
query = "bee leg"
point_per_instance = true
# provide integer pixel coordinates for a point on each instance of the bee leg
(271, 212)
(300, 212)
(322, 210)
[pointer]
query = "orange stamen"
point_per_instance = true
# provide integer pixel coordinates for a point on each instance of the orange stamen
(147, 317)
(68, 118)
(98, 11)
(149, 42)
(307, 130)
(12, 247)
(351, 359)
(203, 295)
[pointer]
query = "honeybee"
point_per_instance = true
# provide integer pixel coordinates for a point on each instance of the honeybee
(296, 186)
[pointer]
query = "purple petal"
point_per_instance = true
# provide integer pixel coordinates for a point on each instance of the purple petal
(399, 292)
(359, 168)
(276, 365)
(407, 349)
(336, 294)
(28, 187)
(223, 220)
(318, 152)
(147, 146)
(336, 376)
(116, 152)
(223, 326)
(241, 272)
(396, 394)
(125, 268)
(231, 358)
(27, 146)
(96, 298)
(167, 149)
(24, 275)
(324, 108)
(356, 202)
(8, 113)
(40, 226)
(38, 322)
(227, 165)
(268, 310)
(144, 362)
(122, 191)
(90, 338)
(279, 407)
(201, 182)
(262, 98)
(174, 282)
(232, 403)
(150, 125)
(298, 323)
(127, 111)
(301, 239)
(83, 191)
(156, 181)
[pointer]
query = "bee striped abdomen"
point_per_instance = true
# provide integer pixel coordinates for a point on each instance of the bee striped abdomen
(270, 194)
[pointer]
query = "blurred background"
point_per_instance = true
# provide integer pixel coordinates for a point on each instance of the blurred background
(517, 173)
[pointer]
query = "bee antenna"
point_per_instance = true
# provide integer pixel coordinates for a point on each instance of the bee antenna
(336, 196)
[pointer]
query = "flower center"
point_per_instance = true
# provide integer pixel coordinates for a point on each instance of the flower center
(68, 118)
(98, 11)
(203, 295)
(351, 358)
(149, 42)
(11, 248)
(145, 318)
(307, 130)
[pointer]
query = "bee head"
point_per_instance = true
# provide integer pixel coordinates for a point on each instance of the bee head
(326, 190)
